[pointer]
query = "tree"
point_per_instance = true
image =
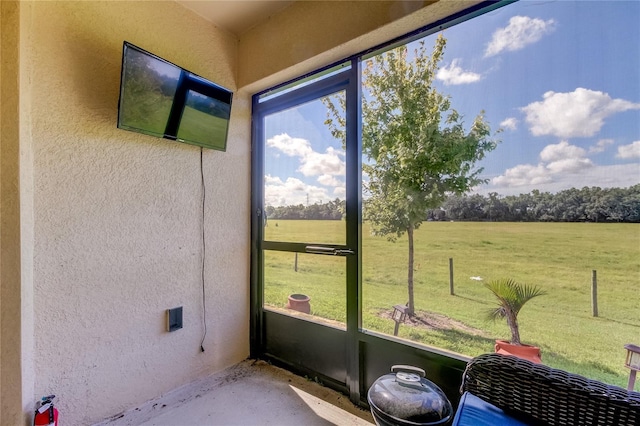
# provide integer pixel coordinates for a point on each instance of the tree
(415, 147)
(511, 296)
(494, 209)
(147, 93)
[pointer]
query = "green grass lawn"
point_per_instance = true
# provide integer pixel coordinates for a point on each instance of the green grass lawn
(149, 115)
(202, 129)
(559, 257)
(146, 113)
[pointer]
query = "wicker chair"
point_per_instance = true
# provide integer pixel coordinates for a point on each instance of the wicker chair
(540, 395)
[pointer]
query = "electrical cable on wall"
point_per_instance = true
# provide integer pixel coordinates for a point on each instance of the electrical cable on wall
(204, 247)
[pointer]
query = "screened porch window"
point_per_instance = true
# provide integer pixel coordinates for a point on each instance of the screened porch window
(517, 157)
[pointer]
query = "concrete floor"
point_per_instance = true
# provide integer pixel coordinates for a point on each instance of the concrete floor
(250, 393)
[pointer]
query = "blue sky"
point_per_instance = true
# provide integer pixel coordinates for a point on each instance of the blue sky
(562, 80)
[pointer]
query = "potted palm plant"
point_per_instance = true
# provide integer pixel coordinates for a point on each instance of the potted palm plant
(512, 296)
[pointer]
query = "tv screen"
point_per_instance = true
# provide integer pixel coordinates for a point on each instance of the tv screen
(161, 99)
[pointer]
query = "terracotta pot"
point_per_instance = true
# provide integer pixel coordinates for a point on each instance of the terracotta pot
(299, 302)
(531, 353)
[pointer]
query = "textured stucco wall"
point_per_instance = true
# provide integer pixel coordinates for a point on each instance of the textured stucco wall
(310, 34)
(16, 374)
(110, 221)
(117, 215)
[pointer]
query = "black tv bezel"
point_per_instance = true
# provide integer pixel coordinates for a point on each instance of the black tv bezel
(187, 81)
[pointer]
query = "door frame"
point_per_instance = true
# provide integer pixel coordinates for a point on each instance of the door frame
(368, 354)
(347, 80)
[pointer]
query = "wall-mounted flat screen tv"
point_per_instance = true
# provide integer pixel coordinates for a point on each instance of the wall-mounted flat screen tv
(161, 99)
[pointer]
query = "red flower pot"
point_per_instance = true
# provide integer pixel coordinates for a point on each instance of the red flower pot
(531, 353)
(299, 302)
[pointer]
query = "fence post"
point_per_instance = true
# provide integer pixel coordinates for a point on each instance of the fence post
(451, 276)
(295, 263)
(594, 293)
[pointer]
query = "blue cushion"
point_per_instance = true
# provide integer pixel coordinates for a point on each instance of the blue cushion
(474, 411)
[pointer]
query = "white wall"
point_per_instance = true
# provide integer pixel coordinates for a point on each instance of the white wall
(16, 319)
(308, 35)
(110, 221)
(116, 217)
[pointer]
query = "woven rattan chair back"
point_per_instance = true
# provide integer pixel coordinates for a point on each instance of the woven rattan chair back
(539, 394)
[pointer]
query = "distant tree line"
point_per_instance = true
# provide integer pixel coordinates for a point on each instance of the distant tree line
(571, 205)
(589, 204)
(147, 84)
(208, 105)
(332, 210)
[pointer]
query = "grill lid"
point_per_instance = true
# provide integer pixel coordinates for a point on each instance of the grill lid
(407, 398)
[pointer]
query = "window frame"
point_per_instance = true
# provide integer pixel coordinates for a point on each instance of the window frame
(369, 353)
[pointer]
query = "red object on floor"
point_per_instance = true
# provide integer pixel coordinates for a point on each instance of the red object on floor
(46, 415)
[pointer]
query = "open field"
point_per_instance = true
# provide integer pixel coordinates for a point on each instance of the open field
(559, 257)
(201, 128)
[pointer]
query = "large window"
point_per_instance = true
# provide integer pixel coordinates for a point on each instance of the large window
(503, 147)
(558, 85)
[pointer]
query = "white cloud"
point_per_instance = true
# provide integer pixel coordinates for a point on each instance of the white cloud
(561, 151)
(291, 192)
(600, 146)
(557, 161)
(520, 32)
(315, 163)
(612, 176)
(340, 192)
(454, 75)
(293, 147)
(328, 166)
(523, 174)
(329, 180)
(510, 123)
(629, 151)
(569, 165)
(580, 113)
(312, 163)
(272, 180)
